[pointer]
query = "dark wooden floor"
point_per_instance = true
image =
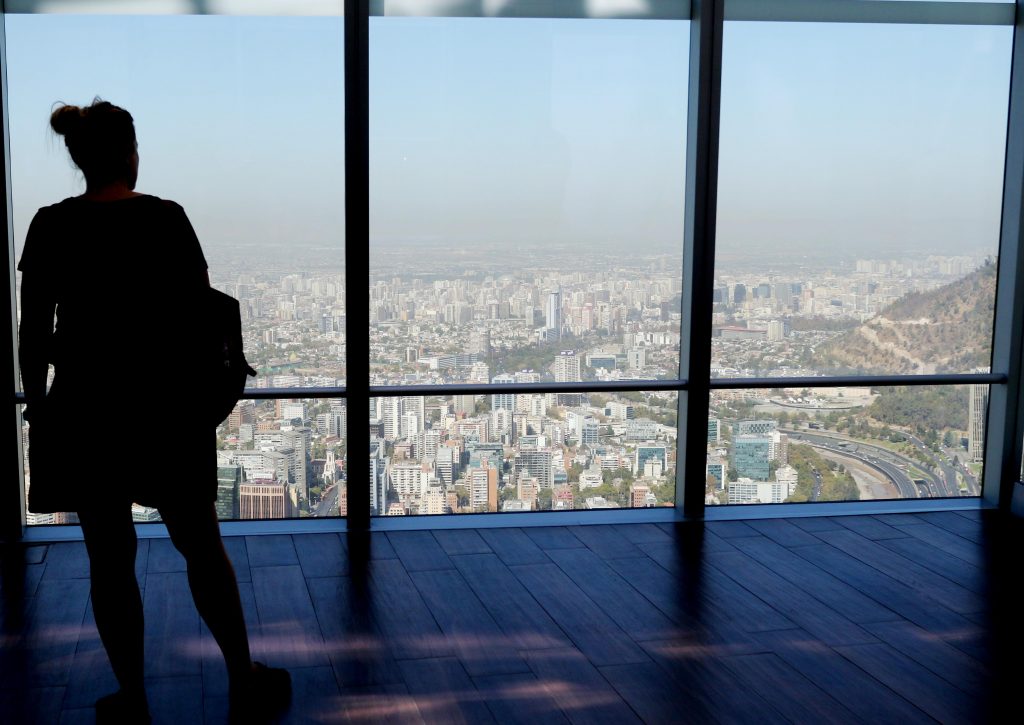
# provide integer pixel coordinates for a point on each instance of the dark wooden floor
(898, 618)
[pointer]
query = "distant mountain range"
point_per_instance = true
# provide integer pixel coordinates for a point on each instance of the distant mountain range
(946, 330)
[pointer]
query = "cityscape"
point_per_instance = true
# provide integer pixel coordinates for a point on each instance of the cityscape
(606, 318)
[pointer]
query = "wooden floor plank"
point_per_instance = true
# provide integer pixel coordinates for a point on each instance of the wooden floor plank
(606, 542)
(592, 631)
(968, 576)
(553, 537)
(869, 527)
(270, 550)
(712, 589)
(513, 546)
(913, 682)
(289, 630)
(68, 560)
(315, 696)
(900, 568)
(239, 556)
(895, 595)
(730, 529)
(172, 641)
(970, 530)
(789, 600)
(863, 695)
(478, 642)
(444, 692)
(519, 699)
(712, 685)
(163, 557)
(830, 591)
(652, 694)
(786, 690)
(946, 542)
(507, 600)
(642, 533)
(461, 541)
(812, 524)
(708, 625)
(627, 607)
(579, 688)
(419, 551)
(321, 555)
(377, 704)
(399, 611)
(946, 661)
(781, 532)
(358, 651)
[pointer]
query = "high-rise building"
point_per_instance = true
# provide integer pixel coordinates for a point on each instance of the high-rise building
(976, 413)
(751, 456)
(483, 487)
(566, 367)
(229, 478)
(262, 499)
(553, 314)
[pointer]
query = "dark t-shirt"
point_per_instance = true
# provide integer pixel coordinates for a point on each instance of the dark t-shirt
(127, 277)
(123, 274)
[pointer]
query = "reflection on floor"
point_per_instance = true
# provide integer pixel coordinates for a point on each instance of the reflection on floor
(887, 618)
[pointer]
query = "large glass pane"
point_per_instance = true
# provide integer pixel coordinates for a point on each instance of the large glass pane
(526, 207)
(521, 452)
(845, 443)
(859, 194)
(239, 119)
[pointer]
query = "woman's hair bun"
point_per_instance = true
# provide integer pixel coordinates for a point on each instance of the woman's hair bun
(66, 119)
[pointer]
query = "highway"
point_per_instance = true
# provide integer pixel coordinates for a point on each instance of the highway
(885, 461)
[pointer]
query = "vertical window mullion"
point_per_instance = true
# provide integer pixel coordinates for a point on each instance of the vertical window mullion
(357, 261)
(12, 509)
(1003, 444)
(699, 250)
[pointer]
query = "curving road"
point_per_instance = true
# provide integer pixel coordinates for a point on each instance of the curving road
(882, 460)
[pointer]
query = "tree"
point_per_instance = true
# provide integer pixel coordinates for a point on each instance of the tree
(544, 499)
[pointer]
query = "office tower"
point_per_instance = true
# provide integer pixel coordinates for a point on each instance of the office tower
(751, 456)
(446, 465)
(553, 314)
(977, 411)
(480, 347)
(262, 499)
(229, 478)
(378, 480)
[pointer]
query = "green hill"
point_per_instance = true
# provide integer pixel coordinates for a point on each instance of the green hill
(946, 330)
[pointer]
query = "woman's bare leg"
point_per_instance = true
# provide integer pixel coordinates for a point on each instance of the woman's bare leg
(117, 605)
(194, 531)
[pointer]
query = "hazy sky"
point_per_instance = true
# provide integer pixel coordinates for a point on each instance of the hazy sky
(552, 132)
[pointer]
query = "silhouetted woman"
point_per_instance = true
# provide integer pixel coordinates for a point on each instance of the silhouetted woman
(121, 270)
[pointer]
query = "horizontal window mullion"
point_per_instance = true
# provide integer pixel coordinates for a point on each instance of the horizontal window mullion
(396, 391)
(907, 12)
(545, 9)
(860, 381)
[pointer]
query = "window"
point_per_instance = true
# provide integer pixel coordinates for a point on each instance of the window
(593, 229)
